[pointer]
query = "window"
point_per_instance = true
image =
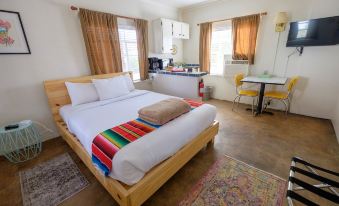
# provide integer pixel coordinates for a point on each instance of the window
(129, 47)
(221, 46)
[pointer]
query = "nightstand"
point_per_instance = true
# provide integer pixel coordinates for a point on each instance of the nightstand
(20, 144)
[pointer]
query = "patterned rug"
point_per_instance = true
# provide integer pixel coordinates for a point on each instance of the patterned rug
(51, 182)
(231, 182)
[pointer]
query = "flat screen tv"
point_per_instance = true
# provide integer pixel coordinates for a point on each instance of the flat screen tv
(314, 32)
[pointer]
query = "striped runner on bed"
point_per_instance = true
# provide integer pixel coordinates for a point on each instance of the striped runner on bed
(194, 104)
(106, 144)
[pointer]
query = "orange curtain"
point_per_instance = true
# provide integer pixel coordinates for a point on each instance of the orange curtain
(142, 41)
(100, 31)
(205, 46)
(245, 30)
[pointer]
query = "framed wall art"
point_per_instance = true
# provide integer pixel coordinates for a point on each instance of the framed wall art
(12, 34)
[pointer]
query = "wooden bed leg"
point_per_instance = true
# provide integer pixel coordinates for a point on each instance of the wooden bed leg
(126, 202)
(211, 142)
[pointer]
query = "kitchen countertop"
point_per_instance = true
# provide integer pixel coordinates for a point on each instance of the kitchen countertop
(188, 74)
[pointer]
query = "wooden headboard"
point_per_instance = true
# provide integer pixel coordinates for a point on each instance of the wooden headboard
(57, 93)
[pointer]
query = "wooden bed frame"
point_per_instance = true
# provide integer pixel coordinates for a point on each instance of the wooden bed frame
(125, 195)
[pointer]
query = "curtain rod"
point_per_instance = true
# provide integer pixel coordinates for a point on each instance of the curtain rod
(261, 14)
(74, 8)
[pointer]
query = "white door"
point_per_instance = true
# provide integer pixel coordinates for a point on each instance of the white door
(166, 36)
(185, 31)
(176, 29)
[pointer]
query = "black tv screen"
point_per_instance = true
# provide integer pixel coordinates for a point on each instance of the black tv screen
(314, 32)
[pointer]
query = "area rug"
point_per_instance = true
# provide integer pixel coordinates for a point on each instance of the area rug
(51, 182)
(232, 182)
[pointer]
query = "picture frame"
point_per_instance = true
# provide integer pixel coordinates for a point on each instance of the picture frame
(13, 38)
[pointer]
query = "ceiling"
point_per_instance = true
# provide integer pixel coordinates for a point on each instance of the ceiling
(181, 3)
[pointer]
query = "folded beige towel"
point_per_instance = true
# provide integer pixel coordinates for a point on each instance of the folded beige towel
(164, 111)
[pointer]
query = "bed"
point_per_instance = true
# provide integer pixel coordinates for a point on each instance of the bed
(146, 171)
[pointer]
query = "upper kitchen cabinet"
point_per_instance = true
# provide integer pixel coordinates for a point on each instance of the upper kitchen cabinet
(185, 29)
(162, 29)
(176, 29)
(180, 30)
(165, 30)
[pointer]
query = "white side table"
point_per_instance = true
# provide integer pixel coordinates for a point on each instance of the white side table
(20, 144)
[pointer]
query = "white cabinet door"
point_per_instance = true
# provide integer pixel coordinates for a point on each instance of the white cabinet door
(157, 34)
(185, 31)
(176, 29)
(180, 30)
(167, 42)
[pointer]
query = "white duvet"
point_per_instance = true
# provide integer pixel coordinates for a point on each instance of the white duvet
(132, 162)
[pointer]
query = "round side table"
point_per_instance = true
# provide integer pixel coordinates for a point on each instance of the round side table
(20, 144)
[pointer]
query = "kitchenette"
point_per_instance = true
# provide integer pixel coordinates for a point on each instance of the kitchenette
(168, 77)
(184, 80)
(182, 84)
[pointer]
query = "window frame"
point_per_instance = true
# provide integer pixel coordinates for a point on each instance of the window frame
(219, 26)
(123, 26)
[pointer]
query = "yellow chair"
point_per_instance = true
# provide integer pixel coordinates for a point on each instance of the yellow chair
(242, 92)
(283, 96)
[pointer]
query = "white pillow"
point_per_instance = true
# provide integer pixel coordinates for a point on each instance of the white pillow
(81, 93)
(111, 88)
(129, 82)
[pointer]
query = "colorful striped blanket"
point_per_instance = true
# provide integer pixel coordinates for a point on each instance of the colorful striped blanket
(106, 144)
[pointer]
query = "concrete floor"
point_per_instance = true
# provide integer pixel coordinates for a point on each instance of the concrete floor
(266, 142)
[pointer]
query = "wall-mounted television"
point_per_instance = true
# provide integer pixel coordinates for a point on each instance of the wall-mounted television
(314, 32)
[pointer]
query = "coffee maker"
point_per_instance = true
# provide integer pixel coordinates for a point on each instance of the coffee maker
(155, 64)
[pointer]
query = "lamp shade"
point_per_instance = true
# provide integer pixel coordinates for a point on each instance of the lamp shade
(281, 18)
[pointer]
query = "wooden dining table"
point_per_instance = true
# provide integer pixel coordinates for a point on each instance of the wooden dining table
(263, 81)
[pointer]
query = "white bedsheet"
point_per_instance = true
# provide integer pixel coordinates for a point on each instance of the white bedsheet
(132, 162)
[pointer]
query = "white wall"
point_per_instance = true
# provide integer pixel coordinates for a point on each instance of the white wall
(335, 119)
(318, 66)
(58, 51)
